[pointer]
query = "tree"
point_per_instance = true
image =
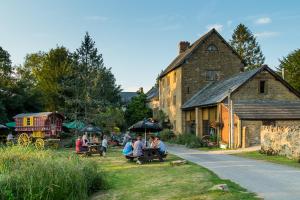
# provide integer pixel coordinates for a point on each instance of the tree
(95, 84)
(110, 118)
(137, 109)
(50, 70)
(245, 44)
(291, 66)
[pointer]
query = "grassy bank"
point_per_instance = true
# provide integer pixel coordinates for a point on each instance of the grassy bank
(161, 181)
(270, 158)
(26, 173)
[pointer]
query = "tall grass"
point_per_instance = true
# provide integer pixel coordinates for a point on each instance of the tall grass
(26, 173)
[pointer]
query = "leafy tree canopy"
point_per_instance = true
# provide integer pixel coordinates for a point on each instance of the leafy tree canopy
(291, 66)
(137, 109)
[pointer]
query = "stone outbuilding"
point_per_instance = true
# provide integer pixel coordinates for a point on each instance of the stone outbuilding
(235, 108)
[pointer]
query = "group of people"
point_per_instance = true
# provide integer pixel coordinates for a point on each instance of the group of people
(134, 147)
(83, 142)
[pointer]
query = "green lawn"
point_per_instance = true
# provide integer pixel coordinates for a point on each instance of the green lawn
(157, 180)
(274, 159)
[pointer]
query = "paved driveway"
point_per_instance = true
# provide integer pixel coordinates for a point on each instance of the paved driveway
(268, 180)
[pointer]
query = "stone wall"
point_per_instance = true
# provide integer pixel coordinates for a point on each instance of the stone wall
(281, 140)
(275, 90)
(196, 66)
(170, 98)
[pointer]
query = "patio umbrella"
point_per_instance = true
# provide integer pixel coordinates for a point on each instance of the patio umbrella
(91, 129)
(11, 124)
(78, 125)
(3, 127)
(144, 126)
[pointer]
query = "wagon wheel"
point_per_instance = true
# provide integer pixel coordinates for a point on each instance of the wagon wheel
(23, 140)
(39, 143)
(55, 145)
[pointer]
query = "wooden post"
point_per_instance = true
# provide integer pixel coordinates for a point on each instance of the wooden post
(244, 137)
(197, 121)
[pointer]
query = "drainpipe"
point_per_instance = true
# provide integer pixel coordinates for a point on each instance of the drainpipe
(230, 121)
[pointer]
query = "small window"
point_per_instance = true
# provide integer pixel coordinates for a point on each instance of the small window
(212, 48)
(174, 78)
(28, 121)
(262, 87)
(168, 80)
(188, 90)
(212, 75)
(268, 122)
(174, 125)
(174, 100)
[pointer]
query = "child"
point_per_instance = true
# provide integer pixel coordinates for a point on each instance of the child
(104, 145)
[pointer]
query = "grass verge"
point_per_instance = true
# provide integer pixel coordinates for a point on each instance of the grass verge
(269, 158)
(26, 173)
(157, 180)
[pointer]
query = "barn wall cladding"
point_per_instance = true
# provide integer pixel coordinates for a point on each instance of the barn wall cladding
(281, 140)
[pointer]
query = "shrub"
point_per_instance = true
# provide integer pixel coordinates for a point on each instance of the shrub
(166, 135)
(187, 139)
(27, 173)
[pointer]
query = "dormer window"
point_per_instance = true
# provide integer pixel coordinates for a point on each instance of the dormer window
(212, 48)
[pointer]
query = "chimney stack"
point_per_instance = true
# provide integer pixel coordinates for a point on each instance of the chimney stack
(183, 46)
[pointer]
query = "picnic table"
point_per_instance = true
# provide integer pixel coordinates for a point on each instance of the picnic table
(149, 154)
(92, 148)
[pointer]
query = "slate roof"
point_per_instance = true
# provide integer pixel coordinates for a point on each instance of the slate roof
(267, 109)
(33, 114)
(152, 93)
(127, 96)
(180, 59)
(216, 92)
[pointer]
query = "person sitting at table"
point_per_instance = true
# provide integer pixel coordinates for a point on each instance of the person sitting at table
(95, 139)
(162, 149)
(153, 142)
(138, 148)
(127, 150)
(78, 144)
(84, 143)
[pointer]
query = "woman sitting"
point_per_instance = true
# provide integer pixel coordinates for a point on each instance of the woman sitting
(128, 148)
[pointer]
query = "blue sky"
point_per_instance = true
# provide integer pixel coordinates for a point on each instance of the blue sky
(139, 38)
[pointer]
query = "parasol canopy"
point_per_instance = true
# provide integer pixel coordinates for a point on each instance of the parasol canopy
(3, 127)
(145, 126)
(91, 129)
(11, 124)
(78, 125)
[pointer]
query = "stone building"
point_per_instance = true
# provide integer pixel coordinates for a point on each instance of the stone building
(237, 107)
(153, 100)
(208, 59)
(204, 90)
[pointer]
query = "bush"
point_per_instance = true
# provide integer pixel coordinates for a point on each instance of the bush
(187, 139)
(27, 173)
(166, 135)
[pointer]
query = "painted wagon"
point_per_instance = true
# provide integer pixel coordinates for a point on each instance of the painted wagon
(41, 129)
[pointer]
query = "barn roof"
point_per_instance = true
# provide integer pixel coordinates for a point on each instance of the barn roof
(40, 114)
(180, 59)
(152, 93)
(127, 96)
(267, 109)
(216, 92)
